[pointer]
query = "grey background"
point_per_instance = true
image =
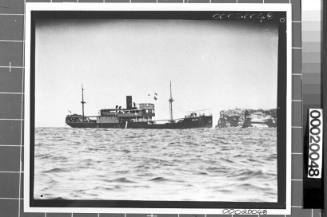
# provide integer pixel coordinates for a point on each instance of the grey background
(11, 118)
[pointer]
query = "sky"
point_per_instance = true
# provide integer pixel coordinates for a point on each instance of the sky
(213, 65)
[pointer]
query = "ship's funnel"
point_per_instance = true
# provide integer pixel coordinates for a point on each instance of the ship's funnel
(129, 102)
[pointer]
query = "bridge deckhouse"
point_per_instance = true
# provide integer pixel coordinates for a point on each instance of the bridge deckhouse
(144, 111)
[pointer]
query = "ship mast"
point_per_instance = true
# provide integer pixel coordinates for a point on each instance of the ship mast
(171, 100)
(83, 102)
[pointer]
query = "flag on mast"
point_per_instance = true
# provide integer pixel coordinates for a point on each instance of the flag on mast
(155, 96)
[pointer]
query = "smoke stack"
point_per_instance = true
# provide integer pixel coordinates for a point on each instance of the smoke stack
(129, 102)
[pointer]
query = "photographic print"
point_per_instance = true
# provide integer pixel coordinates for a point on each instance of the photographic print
(159, 106)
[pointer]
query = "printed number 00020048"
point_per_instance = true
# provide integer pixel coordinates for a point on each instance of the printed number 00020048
(315, 143)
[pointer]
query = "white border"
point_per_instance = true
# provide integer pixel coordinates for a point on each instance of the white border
(151, 7)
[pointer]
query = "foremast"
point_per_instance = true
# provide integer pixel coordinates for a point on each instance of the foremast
(171, 100)
(83, 102)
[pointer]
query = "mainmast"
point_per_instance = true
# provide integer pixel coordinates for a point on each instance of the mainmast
(171, 100)
(83, 102)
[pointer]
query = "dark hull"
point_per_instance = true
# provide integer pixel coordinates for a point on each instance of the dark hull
(187, 123)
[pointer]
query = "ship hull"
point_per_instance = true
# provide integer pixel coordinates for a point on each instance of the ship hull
(187, 123)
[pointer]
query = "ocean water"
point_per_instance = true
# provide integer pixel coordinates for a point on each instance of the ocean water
(230, 164)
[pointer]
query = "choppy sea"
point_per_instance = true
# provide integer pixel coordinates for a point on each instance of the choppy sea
(229, 164)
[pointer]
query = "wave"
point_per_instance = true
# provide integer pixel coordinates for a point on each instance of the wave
(55, 170)
(247, 186)
(251, 173)
(162, 179)
(43, 156)
(159, 179)
(121, 180)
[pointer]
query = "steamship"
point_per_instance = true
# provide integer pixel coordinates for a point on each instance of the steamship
(136, 116)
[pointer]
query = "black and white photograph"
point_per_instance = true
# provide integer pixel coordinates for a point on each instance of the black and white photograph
(159, 106)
